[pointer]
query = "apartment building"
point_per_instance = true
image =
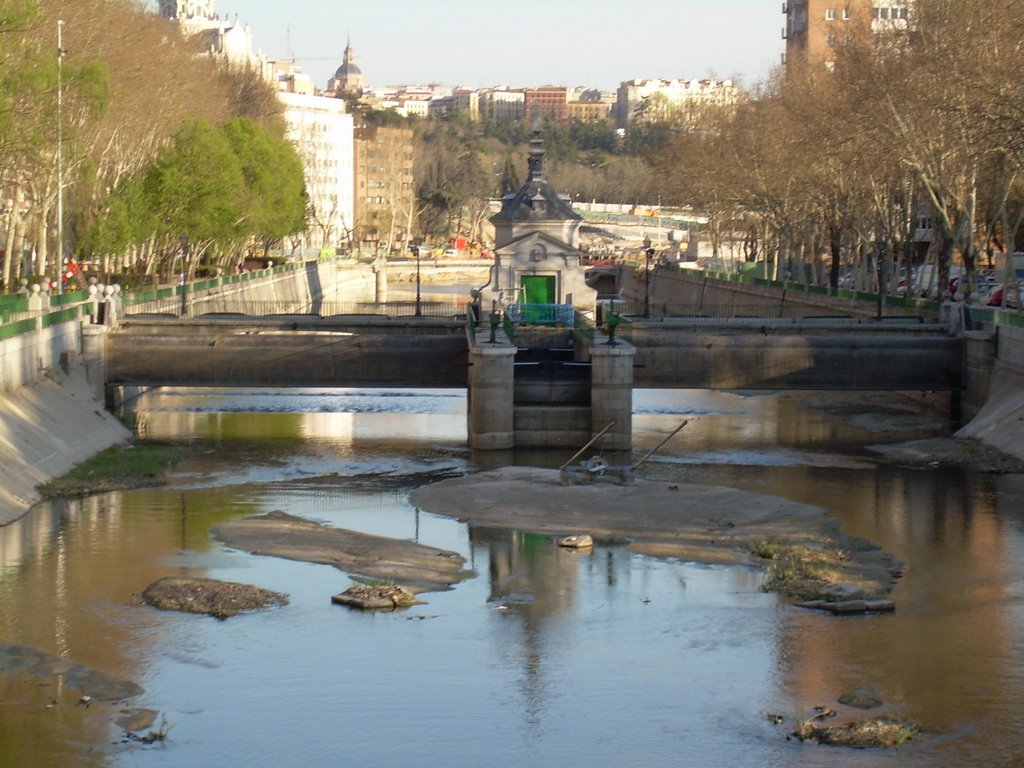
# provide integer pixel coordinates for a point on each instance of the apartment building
(461, 100)
(546, 103)
(385, 196)
(816, 29)
(588, 105)
(502, 105)
(323, 135)
(670, 99)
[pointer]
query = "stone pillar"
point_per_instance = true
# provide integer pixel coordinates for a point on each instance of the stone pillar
(109, 311)
(380, 294)
(94, 357)
(35, 299)
(611, 393)
(979, 365)
(491, 396)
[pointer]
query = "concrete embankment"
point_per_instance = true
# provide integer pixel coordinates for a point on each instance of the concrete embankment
(1000, 422)
(46, 429)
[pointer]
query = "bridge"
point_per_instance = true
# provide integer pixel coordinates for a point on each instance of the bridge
(294, 350)
(547, 376)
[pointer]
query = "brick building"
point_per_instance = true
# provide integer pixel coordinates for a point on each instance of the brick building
(816, 29)
(384, 191)
(546, 103)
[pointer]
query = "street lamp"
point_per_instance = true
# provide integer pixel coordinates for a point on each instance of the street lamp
(414, 246)
(60, 156)
(648, 253)
(183, 239)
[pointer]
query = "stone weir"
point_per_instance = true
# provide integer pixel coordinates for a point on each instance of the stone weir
(551, 389)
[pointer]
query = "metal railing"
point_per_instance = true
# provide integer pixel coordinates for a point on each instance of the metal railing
(541, 314)
(761, 313)
(214, 305)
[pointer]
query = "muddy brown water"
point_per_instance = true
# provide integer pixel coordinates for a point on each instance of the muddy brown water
(547, 657)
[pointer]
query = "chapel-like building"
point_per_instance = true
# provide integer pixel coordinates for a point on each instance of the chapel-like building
(536, 245)
(348, 79)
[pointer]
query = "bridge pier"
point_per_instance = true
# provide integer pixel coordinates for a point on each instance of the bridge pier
(94, 357)
(491, 396)
(611, 394)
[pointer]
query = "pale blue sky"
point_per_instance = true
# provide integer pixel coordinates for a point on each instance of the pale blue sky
(596, 43)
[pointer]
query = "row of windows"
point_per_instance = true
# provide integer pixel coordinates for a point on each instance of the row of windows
(831, 14)
(889, 13)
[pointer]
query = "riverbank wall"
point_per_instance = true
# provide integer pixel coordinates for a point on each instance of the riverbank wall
(51, 409)
(1000, 421)
(992, 401)
(47, 428)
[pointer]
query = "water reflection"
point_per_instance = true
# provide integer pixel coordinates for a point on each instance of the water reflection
(549, 656)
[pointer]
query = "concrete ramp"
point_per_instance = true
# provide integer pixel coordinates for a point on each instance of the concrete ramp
(46, 429)
(1000, 422)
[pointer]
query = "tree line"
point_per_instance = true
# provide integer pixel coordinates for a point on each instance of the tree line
(462, 165)
(907, 151)
(160, 144)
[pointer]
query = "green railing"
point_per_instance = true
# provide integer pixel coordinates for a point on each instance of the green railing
(7, 330)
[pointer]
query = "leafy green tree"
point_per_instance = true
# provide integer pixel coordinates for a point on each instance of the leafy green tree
(274, 203)
(197, 189)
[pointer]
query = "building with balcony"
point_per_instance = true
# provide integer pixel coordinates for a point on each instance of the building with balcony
(288, 77)
(501, 105)
(816, 30)
(385, 195)
(546, 103)
(461, 100)
(587, 105)
(323, 134)
(679, 100)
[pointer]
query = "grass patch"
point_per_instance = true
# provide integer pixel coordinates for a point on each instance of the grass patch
(117, 468)
(863, 734)
(800, 571)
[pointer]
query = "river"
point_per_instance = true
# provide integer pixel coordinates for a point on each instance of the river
(547, 657)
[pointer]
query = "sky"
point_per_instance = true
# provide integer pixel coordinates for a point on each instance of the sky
(475, 43)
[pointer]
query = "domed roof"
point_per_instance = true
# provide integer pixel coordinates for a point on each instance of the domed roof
(347, 69)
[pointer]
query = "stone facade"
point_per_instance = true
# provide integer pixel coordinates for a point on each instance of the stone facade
(536, 238)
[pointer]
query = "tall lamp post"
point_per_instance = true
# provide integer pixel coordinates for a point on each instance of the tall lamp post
(183, 239)
(648, 253)
(414, 246)
(60, 156)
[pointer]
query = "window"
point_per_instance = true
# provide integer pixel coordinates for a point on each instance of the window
(847, 14)
(831, 41)
(830, 14)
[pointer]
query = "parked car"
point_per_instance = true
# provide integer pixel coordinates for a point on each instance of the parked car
(1001, 296)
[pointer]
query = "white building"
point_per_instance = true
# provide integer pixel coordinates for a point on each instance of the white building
(679, 96)
(324, 136)
(229, 39)
(502, 105)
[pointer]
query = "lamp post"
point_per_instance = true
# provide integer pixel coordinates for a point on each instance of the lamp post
(183, 239)
(648, 253)
(414, 246)
(60, 156)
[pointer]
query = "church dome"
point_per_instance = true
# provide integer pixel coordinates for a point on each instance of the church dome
(347, 69)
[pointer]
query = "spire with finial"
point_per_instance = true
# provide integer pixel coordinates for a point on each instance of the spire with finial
(535, 163)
